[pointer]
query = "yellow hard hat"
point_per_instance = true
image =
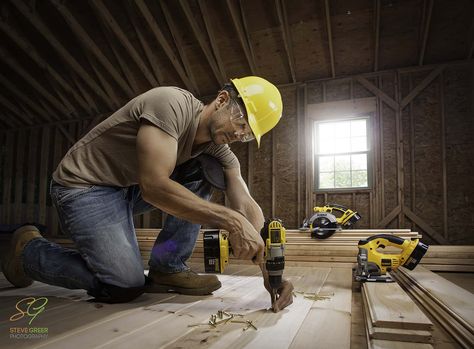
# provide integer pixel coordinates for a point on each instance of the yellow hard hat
(262, 101)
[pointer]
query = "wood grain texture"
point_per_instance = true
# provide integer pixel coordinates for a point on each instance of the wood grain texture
(391, 307)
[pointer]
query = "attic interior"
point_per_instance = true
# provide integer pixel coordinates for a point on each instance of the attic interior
(378, 117)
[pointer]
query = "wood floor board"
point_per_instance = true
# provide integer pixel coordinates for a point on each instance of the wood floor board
(96, 332)
(391, 307)
(318, 326)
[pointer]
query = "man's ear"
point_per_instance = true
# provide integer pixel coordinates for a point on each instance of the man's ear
(221, 99)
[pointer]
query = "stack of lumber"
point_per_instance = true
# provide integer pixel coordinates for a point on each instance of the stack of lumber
(340, 250)
(451, 305)
(392, 318)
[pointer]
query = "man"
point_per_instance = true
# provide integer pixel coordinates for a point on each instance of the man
(144, 157)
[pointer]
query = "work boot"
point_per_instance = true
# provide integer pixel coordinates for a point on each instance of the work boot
(185, 282)
(12, 263)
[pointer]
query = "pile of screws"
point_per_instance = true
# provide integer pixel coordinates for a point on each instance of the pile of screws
(314, 296)
(223, 317)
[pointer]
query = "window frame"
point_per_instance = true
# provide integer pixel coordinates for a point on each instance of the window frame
(315, 154)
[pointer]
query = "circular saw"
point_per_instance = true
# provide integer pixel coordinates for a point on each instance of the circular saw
(325, 223)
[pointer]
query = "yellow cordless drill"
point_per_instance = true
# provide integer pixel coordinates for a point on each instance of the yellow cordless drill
(216, 252)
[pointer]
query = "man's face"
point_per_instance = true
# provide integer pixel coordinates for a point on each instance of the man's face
(229, 123)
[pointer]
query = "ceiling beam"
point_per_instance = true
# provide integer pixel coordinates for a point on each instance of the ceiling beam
(242, 34)
(103, 12)
(329, 31)
(212, 37)
(92, 104)
(63, 52)
(202, 41)
(7, 122)
(21, 95)
(179, 45)
(28, 48)
(377, 35)
(426, 30)
(117, 52)
(14, 109)
(150, 54)
(283, 20)
(103, 80)
(145, 11)
(89, 44)
(34, 84)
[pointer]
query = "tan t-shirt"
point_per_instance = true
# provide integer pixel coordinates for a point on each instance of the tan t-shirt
(107, 154)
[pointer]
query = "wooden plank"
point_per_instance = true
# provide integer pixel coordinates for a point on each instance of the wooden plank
(19, 165)
(283, 22)
(8, 176)
(459, 333)
(33, 140)
(29, 49)
(377, 34)
(329, 34)
(391, 307)
(202, 42)
(425, 226)
(378, 92)
(421, 86)
(64, 53)
(394, 334)
(454, 299)
(242, 33)
(212, 37)
(426, 30)
(40, 88)
(57, 156)
(144, 42)
(145, 11)
(43, 174)
(104, 13)
(180, 46)
(318, 326)
(89, 43)
(136, 324)
(385, 344)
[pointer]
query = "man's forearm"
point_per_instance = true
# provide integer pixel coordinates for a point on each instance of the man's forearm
(178, 201)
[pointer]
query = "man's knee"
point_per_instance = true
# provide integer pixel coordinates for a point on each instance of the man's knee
(128, 290)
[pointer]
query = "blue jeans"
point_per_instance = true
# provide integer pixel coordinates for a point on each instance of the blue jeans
(99, 220)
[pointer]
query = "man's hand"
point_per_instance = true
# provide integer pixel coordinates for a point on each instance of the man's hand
(284, 296)
(246, 242)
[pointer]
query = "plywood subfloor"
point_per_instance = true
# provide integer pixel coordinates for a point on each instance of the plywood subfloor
(162, 320)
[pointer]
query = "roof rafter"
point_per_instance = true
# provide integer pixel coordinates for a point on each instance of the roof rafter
(64, 53)
(202, 41)
(87, 41)
(145, 11)
(329, 31)
(377, 34)
(131, 78)
(179, 45)
(212, 37)
(242, 34)
(28, 48)
(23, 97)
(103, 81)
(283, 20)
(33, 83)
(14, 109)
(102, 10)
(426, 30)
(150, 55)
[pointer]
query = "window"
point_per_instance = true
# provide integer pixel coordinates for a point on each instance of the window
(341, 153)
